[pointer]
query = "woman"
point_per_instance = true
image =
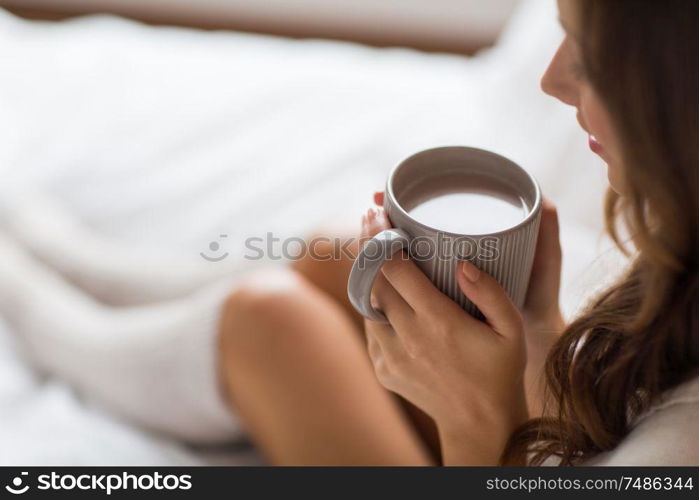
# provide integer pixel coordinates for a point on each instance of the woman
(620, 381)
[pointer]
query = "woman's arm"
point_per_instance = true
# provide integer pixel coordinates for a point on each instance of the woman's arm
(475, 443)
(543, 321)
(540, 337)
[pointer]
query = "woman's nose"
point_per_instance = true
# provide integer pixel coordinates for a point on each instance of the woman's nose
(558, 83)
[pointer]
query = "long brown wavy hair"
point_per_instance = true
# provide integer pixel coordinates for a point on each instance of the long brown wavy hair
(640, 337)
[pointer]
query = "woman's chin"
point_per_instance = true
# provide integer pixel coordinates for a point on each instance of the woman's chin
(614, 180)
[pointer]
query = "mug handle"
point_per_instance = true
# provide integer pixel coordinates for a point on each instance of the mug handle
(366, 268)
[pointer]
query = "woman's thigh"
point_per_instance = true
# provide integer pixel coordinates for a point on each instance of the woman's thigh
(295, 368)
(327, 265)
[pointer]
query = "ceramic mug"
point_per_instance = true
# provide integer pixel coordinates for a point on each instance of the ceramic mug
(506, 254)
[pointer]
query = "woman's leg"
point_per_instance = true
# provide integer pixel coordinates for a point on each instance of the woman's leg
(328, 267)
(113, 272)
(296, 370)
(289, 357)
(71, 335)
(152, 365)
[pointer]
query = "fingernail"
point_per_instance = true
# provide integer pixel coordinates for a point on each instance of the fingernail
(471, 272)
(371, 214)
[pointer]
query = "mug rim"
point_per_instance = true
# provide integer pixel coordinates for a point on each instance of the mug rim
(533, 213)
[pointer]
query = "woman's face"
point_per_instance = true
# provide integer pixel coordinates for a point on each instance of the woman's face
(565, 80)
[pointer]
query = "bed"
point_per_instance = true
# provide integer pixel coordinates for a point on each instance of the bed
(168, 138)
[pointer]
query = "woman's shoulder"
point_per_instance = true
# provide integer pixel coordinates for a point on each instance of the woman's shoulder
(666, 434)
(686, 393)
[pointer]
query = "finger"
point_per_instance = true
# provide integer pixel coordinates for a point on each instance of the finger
(372, 344)
(545, 280)
(412, 284)
(378, 198)
(385, 298)
(378, 220)
(369, 227)
(385, 352)
(373, 222)
(363, 234)
(405, 277)
(382, 341)
(375, 331)
(491, 299)
(406, 280)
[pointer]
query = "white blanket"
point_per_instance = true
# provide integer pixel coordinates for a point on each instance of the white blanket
(169, 138)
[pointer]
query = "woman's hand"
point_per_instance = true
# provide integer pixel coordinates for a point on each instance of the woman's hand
(543, 321)
(468, 375)
(541, 306)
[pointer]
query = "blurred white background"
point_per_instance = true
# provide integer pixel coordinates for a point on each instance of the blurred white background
(166, 137)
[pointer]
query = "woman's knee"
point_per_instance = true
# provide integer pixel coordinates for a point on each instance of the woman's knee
(270, 311)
